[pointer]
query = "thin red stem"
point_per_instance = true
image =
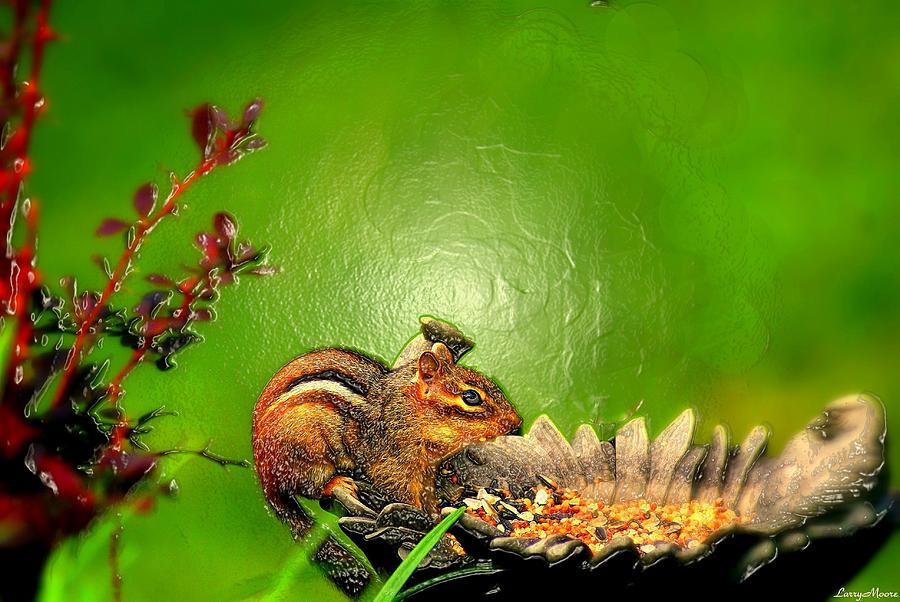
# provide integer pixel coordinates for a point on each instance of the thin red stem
(114, 390)
(23, 275)
(15, 48)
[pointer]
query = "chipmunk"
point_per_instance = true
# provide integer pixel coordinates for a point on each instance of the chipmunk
(333, 413)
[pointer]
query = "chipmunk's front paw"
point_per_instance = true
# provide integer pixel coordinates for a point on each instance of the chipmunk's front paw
(339, 482)
(344, 490)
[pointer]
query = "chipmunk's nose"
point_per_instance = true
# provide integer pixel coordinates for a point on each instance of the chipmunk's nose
(513, 423)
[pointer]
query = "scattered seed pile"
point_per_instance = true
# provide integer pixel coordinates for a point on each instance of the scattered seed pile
(564, 512)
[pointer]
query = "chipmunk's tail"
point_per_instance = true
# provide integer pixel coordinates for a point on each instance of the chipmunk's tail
(289, 511)
(337, 563)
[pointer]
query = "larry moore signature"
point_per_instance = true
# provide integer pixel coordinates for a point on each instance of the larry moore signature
(874, 592)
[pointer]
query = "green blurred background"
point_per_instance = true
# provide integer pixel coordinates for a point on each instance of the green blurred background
(687, 202)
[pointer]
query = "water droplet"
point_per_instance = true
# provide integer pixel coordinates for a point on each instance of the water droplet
(29, 460)
(47, 480)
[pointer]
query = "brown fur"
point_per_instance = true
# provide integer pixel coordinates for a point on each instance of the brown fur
(403, 422)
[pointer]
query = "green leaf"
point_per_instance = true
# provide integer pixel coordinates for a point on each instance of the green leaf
(7, 334)
(389, 592)
(79, 568)
(478, 569)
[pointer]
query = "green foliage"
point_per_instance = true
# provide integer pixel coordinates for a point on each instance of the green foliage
(79, 569)
(7, 334)
(403, 572)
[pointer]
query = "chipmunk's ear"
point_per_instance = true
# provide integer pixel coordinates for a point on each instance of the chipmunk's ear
(429, 367)
(442, 352)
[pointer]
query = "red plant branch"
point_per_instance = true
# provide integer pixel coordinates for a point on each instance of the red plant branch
(114, 390)
(60, 469)
(223, 148)
(21, 277)
(179, 319)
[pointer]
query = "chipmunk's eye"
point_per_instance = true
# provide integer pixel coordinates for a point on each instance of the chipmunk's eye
(471, 397)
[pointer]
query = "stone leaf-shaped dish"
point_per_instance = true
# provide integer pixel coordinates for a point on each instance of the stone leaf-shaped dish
(825, 485)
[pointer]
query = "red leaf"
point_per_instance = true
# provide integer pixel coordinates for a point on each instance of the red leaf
(202, 128)
(16, 431)
(128, 468)
(232, 156)
(151, 302)
(85, 303)
(252, 111)
(153, 327)
(255, 143)
(60, 477)
(202, 315)
(186, 285)
(102, 263)
(207, 243)
(220, 119)
(263, 270)
(111, 226)
(145, 199)
(245, 251)
(225, 225)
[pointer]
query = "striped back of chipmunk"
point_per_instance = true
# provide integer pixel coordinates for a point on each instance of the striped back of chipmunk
(341, 372)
